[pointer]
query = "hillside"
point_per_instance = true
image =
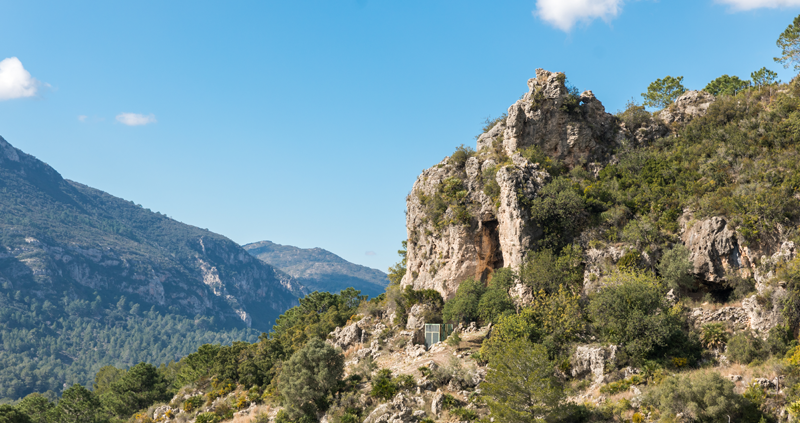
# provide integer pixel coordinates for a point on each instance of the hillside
(88, 279)
(318, 269)
(576, 266)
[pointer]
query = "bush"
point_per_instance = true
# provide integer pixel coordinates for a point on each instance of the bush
(705, 397)
(463, 307)
(743, 348)
(493, 304)
(634, 116)
(454, 340)
(779, 341)
(545, 270)
(193, 403)
(632, 312)
(553, 320)
(382, 385)
(464, 414)
(460, 156)
(675, 268)
(714, 335)
(560, 211)
(309, 376)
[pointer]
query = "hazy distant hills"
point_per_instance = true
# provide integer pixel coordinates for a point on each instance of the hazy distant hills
(89, 279)
(320, 270)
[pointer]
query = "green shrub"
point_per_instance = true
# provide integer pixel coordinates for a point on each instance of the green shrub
(675, 268)
(193, 403)
(743, 348)
(405, 382)
(630, 260)
(463, 307)
(779, 341)
(704, 397)
(553, 320)
(546, 270)
(559, 210)
(460, 156)
(714, 335)
(208, 418)
(534, 154)
(382, 385)
(634, 116)
(494, 303)
(632, 312)
(454, 340)
(490, 123)
(309, 376)
(450, 402)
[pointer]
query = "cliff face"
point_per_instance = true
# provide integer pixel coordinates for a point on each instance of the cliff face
(469, 214)
(60, 236)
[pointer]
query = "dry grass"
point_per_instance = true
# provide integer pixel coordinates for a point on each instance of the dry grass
(251, 417)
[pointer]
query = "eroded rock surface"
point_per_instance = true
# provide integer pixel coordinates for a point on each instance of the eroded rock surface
(489, 226)
(592, 360)
(688, 106)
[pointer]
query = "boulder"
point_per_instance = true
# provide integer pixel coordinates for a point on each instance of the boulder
(345, 337)
(592, 360)
(416, 320)
(688, 106)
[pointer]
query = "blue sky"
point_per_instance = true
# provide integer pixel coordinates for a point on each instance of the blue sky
(307, 122)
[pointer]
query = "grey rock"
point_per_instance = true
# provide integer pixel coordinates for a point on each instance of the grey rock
(688, 106)
(592, 360)
(345, 337)
(714, 248)
(416, 319)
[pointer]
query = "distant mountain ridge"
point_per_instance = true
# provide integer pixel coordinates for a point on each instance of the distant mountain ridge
(318, 269)
(79, 270)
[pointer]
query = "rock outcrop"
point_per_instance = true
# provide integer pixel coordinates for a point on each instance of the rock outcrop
(714, 248)
(688, 106)
(468, 215)
(592, 360)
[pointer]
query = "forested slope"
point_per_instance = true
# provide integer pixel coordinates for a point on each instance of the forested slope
(88, 279)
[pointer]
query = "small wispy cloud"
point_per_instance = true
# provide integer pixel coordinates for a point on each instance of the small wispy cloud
(370, 253)
(82, 118)
(15, 81)
(741, 5)
(564, 14)
(136, 119)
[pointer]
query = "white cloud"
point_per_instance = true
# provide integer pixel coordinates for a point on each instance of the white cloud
(755, 4)
(136, 119)
(564, 14)
(82, 118)
(370, 253)
(15, 81)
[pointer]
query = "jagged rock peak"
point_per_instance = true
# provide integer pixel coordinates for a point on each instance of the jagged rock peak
(573, 128)
(469, 215)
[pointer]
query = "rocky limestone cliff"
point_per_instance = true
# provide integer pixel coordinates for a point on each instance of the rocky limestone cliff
(468, 217)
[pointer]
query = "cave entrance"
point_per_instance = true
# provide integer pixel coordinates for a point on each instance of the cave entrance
(489, 255)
